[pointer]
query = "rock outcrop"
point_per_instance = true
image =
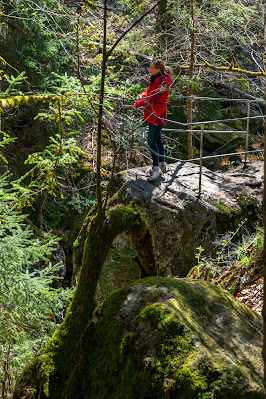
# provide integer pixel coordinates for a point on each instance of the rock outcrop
(180, 219)
(164, 338)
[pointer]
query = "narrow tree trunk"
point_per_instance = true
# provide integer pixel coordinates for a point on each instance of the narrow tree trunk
(190, 87)
(264, 212)
(264, 258)
(100, 115)
(100, 112)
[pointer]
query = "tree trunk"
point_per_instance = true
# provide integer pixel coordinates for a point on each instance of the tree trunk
(264, 257)
(47, 374)
(190, 87)
(100, 115)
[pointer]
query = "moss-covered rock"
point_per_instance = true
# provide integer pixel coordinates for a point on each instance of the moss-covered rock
(165, 338)
(48, 373)
(240, 112)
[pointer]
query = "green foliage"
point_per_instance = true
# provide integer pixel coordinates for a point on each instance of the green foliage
(48, 170)
(13, 82)
(41, 28)
(231, 13)
(29, 304)
(250, 249)
(233, 258)
(6, 139)
(50, 42)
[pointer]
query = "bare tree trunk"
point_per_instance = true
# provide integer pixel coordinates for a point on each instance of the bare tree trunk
(100, 111)
(264, 259)
(264, 213)
(100, 115)
(190, 87)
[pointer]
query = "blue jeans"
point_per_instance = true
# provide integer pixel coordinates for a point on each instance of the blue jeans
(155, 143)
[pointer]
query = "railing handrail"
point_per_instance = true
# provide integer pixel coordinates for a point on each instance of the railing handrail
(205, 122)
(197, 159)
(255, 100)
(202, 131)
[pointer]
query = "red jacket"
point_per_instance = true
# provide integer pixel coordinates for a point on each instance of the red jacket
(154, 100)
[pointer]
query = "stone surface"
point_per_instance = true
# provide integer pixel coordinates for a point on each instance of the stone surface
(164, 338)
(180, 219)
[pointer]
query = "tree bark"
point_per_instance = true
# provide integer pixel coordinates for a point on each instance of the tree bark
(264, 214)
(100, 115)
(47, 374)
(264, 257)
(190, 87)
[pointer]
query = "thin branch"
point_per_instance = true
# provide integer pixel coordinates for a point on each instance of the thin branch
(131, 27)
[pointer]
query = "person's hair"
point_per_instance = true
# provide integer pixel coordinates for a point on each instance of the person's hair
(159, 64)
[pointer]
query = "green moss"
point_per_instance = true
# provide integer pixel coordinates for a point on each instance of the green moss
(16, 101)
(53, 368)
(82, 169)
(119, 270)
(229, 217)
(245, 200)
(225, 209)
(174, 347)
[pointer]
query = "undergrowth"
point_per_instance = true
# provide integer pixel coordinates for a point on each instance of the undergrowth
(236, 264)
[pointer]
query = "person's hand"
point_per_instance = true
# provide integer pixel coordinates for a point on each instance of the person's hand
(134, 106)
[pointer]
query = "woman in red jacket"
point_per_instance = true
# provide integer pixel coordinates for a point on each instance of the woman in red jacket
(154, 101)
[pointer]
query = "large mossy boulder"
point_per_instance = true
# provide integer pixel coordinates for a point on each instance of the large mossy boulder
(166, 338)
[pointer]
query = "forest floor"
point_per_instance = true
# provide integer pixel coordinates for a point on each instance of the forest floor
(251, 288)
(252, 296)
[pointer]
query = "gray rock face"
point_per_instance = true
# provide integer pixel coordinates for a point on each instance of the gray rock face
(165, 338)
(179, 219)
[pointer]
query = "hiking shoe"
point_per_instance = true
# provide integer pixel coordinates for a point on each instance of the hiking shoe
(151, 170)
(155, 174)
(163, 167)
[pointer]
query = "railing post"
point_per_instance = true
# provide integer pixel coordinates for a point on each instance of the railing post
(126, 159)
(247, 133)
(201, 154)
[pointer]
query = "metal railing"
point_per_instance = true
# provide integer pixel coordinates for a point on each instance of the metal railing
(202, 131)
